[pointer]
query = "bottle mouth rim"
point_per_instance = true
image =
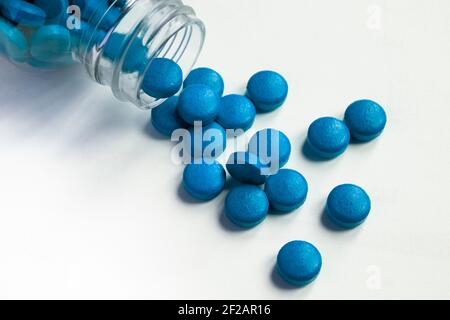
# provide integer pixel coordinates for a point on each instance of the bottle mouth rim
(183, 46)
(165, 29)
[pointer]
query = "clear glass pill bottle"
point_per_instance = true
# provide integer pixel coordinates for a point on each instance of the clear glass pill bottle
(115, 40)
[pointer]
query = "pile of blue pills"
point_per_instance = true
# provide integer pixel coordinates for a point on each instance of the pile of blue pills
(49, 34)
(37, 32)
(264, 185)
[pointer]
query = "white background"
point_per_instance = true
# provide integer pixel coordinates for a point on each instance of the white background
(90, 205)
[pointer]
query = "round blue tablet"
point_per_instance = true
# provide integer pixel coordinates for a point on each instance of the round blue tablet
(365, 119)
(55, 10)
(198, 103)
(348, 206)
(207, 142)
(50, 43)
(247, 168)
(204, 181)
(165, 117)
(207, 77)
(163, 78)
(299, 263)
(236, 112)
(24, 13)
(286, 191)
(246, 206)
(13, 42)
(268, 90)
(328, 137)
(272, 147)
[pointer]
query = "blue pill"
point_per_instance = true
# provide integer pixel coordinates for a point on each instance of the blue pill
(236, 112)
(348, 206)
(115, 47)
(299, 263)
(50, 43)
(365, 119)
(23, 13)
(246, 206)
(13, 42)
(247, 168)
(328, 137)
(163, 78)
(55, 10)
(207, 77)
(199, 103)
(272, 147)
(204, 181)
(268, 90)
(207, 142)
(165, 118)
(286, 191)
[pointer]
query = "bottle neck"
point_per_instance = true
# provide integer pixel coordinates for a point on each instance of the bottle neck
(118, 43)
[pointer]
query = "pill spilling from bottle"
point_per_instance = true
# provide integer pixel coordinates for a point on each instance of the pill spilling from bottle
(49, 34)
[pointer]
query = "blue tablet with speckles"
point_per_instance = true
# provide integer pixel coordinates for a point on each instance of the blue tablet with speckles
(268, 90)
(286, 191)
(199, 103)
(246, 206)
(348, 206)
(328, 137)
(365, 119)
(204, 181)
(207, 77)
(247, 168)
(299, 263)
(165, 118)
(236, 112)
(163, 78)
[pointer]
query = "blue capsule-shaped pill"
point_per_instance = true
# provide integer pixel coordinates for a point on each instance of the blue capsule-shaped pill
(23, 13)
(348, 206)
(268, 90)
(208, 77)
(328, 137)
(286, 190)
(199, 103)
(163, 78)
(165, 118)
(246, 206)
(236, 112)
(204, 181)
(365, 119)
(299, 263)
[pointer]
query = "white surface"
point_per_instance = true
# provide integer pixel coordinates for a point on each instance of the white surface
(90, 205)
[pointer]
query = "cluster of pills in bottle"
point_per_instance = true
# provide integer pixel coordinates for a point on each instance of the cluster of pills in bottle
(38, 32)
(264, 185)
